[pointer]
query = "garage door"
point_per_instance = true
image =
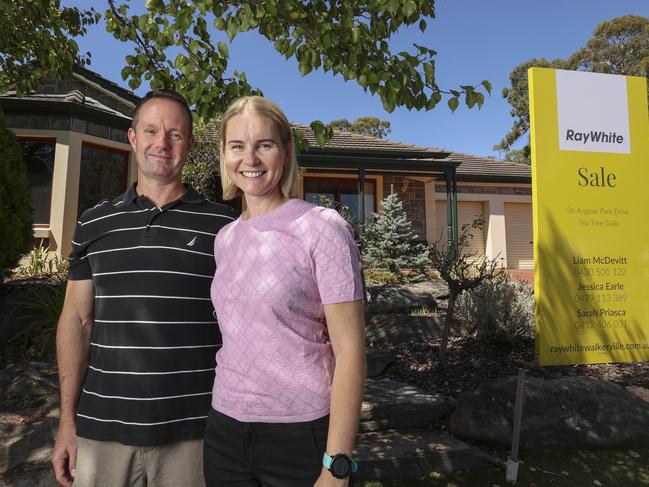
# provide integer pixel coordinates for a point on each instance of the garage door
(467, 212)
(518, 228)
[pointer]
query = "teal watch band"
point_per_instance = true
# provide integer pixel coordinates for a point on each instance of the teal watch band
(338, 464)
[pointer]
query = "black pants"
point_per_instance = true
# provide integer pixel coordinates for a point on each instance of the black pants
(240, 454)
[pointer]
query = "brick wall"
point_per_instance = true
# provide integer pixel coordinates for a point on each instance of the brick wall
(514, 190)
(412, 193)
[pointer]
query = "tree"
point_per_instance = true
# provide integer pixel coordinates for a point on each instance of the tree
(36, 42)
(517, 96)
(174, 48)
(372, 126)
(388, 241)
(202, 169)
(462, 270)
(618, 46)
(15, 202)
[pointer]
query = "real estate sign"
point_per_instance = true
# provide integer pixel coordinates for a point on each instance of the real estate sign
(590, 177)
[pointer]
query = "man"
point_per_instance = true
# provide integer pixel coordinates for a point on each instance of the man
(137, 337)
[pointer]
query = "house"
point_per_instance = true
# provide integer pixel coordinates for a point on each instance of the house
(73, 136)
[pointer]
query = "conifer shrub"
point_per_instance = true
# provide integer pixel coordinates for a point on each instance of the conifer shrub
(15, 202)
(389, 242)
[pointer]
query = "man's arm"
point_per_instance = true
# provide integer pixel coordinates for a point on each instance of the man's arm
(346, 327)
(72, 352)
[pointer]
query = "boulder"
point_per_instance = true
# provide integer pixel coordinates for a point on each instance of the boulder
(414, 454)
(395, 329)
(28, 423)
(391, 298)
(570, 412)
(378, 361)
(641, 392)
(390, 404)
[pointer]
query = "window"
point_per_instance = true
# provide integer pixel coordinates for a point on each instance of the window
(103, 175)
(38, 155)
(344, 191)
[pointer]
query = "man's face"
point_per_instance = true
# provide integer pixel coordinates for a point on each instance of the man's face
(161, 140)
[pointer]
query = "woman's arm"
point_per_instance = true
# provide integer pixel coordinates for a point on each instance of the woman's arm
(345, 323)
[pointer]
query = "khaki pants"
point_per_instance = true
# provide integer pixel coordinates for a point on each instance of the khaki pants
(109, 464)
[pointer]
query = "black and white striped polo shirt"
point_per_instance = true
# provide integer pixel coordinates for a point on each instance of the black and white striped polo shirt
(154, 335)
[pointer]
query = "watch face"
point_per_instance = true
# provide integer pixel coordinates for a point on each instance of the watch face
(341, 466)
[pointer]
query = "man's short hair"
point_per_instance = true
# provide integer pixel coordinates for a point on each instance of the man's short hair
(167, 94)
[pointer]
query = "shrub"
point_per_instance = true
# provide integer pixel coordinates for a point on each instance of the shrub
(342, 209)
(462, 269)
(15, 203)
(388, 241)
(202, 167)
(38, 311)
(498, 309)
(40, 262)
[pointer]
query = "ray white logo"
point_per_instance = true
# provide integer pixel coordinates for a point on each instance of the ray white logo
(192, 242)
(593, 111)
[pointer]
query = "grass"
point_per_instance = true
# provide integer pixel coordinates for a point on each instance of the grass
(425, 311)
(555, 468)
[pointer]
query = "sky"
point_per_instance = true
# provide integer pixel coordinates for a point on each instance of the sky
(474, 39)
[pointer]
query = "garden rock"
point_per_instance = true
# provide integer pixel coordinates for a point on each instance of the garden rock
(641, 392)
(28, 422)
(378, 361)
(570, 412)
(395, 329)
(389, 404)
(413, 454)
(392, 298)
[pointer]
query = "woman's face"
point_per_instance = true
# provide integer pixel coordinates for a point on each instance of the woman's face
(254, 155)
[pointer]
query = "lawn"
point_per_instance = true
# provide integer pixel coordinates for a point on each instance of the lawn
(556, 468)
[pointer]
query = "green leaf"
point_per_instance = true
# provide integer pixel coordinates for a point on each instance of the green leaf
(429, 71)
(422, 25)
(453, 103)
(140, 22)
(305, 67)
(470, 99)
(220, 24)
(409, 8)
(356, 35)
(223, 49)
(487, 86)
(480, 99)
(231, 30)
(319, 132)
(388, 106)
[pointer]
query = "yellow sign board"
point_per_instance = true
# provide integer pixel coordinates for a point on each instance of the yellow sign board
(590, 177)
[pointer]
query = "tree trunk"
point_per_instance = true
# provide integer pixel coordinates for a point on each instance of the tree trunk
(452, 296)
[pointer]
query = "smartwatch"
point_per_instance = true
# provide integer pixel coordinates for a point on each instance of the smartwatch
(340, 465)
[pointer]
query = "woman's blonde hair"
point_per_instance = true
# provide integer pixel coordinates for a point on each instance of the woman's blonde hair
(261, 106)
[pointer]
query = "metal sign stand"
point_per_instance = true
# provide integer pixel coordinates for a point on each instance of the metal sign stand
(511, 466)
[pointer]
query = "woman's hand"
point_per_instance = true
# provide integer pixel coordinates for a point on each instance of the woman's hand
(328, 480)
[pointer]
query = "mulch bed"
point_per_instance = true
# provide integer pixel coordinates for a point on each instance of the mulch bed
(471, 361)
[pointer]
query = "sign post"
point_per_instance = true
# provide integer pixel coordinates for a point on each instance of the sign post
(590, 177)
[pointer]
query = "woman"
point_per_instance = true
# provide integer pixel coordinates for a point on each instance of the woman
(288, 297)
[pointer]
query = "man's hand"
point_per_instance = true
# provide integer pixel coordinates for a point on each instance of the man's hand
(328, 480)
(64, 454)
(72, 352)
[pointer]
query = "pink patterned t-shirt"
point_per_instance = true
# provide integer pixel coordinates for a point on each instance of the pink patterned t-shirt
(273, 274)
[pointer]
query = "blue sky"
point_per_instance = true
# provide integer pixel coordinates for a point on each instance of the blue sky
(475, 40)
